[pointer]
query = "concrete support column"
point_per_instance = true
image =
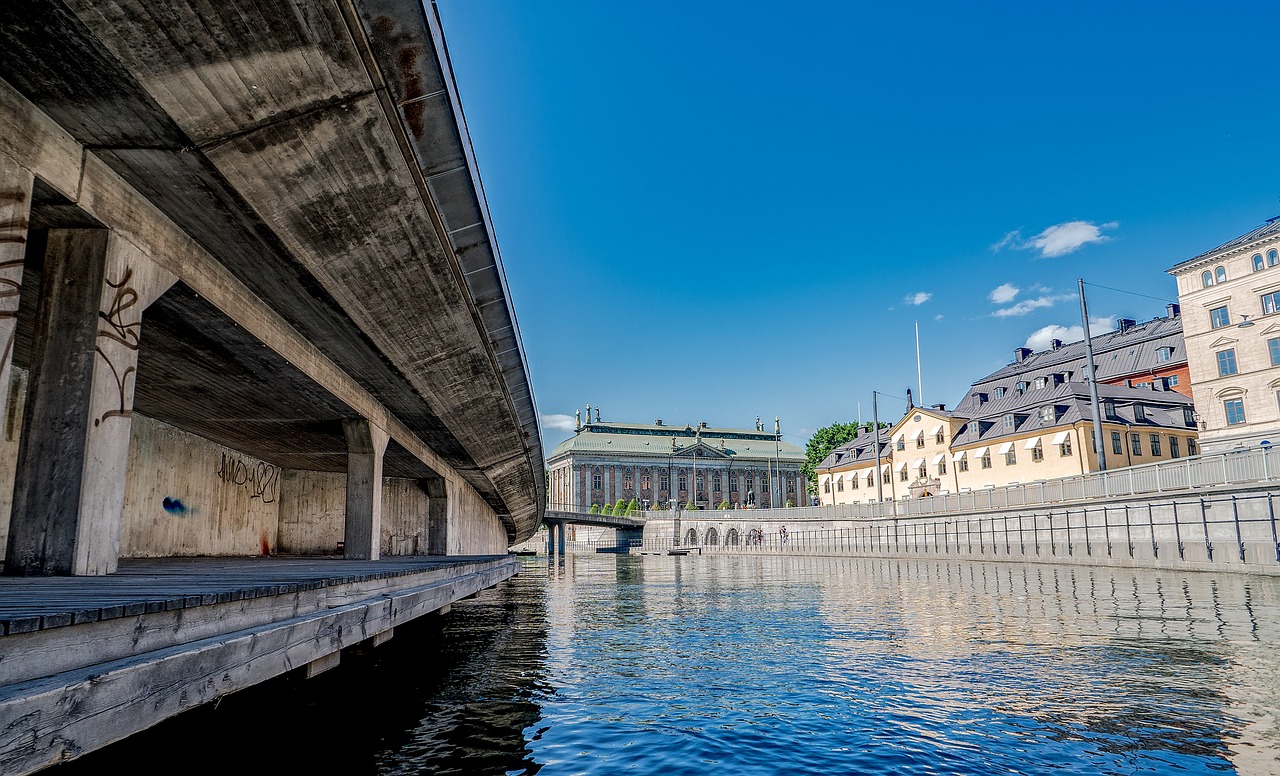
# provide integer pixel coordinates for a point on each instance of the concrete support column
(561, 526)
(362, 535)
(437, 515)
(15, 210)
(72, 460)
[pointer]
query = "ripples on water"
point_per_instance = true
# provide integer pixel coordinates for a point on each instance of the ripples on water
(769, 665)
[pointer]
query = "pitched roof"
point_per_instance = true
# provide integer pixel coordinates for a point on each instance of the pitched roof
(857, 451)
(1270, 228)
(655, 440)
(1117, 354)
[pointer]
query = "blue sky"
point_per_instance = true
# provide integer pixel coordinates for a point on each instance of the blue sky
(718, 210)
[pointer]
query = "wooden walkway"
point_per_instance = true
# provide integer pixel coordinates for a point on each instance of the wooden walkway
(29, 604)
(85, 661)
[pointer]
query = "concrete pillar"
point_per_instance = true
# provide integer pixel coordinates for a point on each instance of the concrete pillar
(72, 460)
(551, 539)
(363, 530)
(561, 526)
(15, 210)
(437, 515)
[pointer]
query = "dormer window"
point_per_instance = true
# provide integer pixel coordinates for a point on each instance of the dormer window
(1009, 422)
(1164, 355)
(1109, 408)
(982, 398)
(999, 391)
(1041, 382)
(1047, 414)
(1189, 418)
(1139, 412)
(1021, 387)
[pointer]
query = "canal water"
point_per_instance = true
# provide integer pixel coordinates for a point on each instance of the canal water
(778, 665)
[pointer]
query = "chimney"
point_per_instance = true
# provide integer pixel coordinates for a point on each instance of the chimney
(1055, 344)
(703, 424)
(1124, 324)
(1020, 354)
(1174, 310)
(658, 422)
(940, 407)
(1128, 383)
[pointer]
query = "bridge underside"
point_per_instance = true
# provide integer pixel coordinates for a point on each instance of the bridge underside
(295, 267)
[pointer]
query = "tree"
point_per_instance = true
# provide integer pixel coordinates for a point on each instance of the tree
(620, 508)
(723, 505)
(690, 507)
(820, 445)
(607, 509)
(633, 507)
(595, 509)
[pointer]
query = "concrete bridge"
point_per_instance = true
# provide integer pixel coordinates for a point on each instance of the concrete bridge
(629, 528)
(251, 305)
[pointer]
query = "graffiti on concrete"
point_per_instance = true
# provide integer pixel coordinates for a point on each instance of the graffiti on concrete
(262, 480)
(122, 326)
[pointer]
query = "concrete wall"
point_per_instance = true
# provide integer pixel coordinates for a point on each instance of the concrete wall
(185, 495)
(10, 432)
(473, 527)
(311, 512)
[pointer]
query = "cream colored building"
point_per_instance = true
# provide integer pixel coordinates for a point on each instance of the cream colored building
(1230, 300)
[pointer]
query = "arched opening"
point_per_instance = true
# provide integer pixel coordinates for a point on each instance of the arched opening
(691, 537)
(713, 537)
(731, 538)
(754, 537)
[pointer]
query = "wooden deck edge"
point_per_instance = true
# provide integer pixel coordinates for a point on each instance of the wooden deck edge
(59, 718)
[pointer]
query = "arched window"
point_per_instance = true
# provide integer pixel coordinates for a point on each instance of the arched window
(1220, 274)
(1206, 278)
(1257, 262)
(1273, 257)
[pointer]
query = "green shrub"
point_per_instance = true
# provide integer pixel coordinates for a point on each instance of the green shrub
(620, 508)
(633, 507)
(595, 509)
(689, 506)
(607, 509)
(723, 505)
(790, 503)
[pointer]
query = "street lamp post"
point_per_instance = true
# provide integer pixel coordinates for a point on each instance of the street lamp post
(777, 450)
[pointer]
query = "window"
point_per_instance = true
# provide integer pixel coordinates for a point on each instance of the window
(853, 482)
(886, 477)
(715, 484)
(1064, 449)
(683, 480)
(1226, 362)
(1139, 411)
(1219, 275)
(986, 460)
(1257, 262)
(1235, 411)
(826, 486)
(1273, 258)
(1011, 457)
(902, 443)
(733, 484)
(1164, 355)
(628, 482)
(920, 440)
(1135, 442)
(1206, 278)
(942, 466)
(1108, 409)
(999, 391)
(1047, 414)
(1173, 446)
(962, 465)
(1171, 380)
(1192, 447)
(1155, 444)
(664, 482)
(1218, 317)
(923, 473)
(1009, 422)
(840, 484)
(1117, 445)
(1021, 387)
(1188, 416)
(1270, 303)
(902, 475)
(871, 479)
(596, 483)
(1041, 382)
(646, 482)
(1273, 347)
(1037, 453)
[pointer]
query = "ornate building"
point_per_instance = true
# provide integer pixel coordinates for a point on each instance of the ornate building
(656, 464)
(1231, 295)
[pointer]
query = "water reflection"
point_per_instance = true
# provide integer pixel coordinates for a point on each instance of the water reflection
(766, 664)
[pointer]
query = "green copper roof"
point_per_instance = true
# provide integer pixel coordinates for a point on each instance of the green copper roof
(636, 439)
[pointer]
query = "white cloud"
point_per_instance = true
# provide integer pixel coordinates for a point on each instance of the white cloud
(1042, 338)
(1004, 293)
(1028, 305)
(918, 298)
(938, 317)
(1057, 240)
(559, 422)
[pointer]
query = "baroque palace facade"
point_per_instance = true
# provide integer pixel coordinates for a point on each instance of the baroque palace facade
(656, 464)
(1032, 420)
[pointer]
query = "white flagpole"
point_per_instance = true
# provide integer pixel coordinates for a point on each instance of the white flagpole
(919, 380)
